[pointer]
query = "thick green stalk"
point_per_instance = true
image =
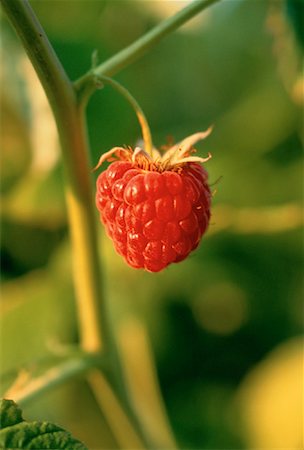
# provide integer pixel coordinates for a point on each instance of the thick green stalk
(71, 128)
(67, 102)
(129, 54)
(69, 116)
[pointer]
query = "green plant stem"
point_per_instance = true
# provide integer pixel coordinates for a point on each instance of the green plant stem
(53, 377)
(146, 133)
(72, 133)
(129, 54)
(120, 424)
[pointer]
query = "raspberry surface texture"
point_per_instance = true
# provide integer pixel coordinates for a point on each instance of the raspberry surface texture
(154, 209)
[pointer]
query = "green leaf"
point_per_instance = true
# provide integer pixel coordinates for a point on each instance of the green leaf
(10, 414)
(16, 433)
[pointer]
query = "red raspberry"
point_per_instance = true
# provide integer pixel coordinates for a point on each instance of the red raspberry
(155, 209)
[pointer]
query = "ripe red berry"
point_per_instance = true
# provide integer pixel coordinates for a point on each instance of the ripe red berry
(155, 209)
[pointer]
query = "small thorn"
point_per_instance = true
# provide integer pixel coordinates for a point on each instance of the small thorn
(94, 59)
(216, 181)
(98, 82)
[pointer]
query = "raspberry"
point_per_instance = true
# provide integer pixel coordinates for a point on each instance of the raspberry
(155, 209)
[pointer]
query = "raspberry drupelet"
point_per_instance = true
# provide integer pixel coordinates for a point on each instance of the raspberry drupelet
(155, 208)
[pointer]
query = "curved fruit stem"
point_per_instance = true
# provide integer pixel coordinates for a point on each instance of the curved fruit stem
(145, 129)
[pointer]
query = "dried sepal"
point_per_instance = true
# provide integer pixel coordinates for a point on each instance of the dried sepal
(174, 157)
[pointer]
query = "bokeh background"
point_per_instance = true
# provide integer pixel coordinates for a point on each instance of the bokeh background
(224, 326)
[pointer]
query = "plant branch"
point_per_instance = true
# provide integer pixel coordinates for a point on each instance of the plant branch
(129, 54)
(143, 387)
(72, 133)
(122, 428)
(57, 375)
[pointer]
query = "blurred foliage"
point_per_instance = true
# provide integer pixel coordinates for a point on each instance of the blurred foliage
(295, 10)
(215, 320)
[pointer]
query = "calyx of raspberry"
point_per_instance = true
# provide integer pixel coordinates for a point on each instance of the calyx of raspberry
(172, 159)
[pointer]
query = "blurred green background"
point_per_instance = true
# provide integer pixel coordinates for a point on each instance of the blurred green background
(225, 325)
